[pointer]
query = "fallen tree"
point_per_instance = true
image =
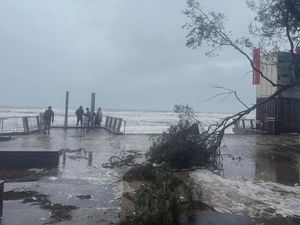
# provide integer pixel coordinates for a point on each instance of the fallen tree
(163, 193)
(187, 144)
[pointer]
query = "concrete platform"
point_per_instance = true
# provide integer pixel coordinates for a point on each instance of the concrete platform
(28, 157)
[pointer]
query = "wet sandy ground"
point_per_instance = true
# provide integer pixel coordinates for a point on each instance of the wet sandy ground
(260, 182)
(251, 158)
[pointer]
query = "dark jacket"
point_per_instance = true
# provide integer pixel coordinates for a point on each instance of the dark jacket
(49, 115)
(79, 112)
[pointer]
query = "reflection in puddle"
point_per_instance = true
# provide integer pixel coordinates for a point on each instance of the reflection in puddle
(277, 168)
(260, 158)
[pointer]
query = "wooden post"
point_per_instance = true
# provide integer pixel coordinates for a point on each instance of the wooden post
(93, 97)
(64, 158)
(38, 122)
(90, 159)
(66, 110)
(1, 197)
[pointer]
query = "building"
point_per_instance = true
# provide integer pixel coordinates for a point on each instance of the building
(282, 113)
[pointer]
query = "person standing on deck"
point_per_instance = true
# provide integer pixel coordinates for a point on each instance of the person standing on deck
(79, 113)
(88, 118)
(95, 119)
(99, 117)
(48, 118)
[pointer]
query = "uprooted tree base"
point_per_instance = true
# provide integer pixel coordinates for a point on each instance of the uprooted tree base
(163, 197)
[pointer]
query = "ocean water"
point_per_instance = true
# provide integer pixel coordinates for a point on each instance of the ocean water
(137, 122)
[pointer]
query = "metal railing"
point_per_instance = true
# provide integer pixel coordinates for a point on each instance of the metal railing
(246, 125)
(25, 124)
(114, 124)
(29, 124)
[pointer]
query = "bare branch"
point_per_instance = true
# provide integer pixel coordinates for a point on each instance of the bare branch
(209, 27)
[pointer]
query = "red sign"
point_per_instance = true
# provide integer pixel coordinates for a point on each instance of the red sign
(256, 62)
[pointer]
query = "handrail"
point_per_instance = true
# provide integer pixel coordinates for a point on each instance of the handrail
(244, 125)
(19, 124)
(15, 117)
(29, 124)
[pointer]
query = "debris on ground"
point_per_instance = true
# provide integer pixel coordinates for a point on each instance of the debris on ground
(73, 150)
(83, 196)
(123, 159)
(75, 154)
(58, 211)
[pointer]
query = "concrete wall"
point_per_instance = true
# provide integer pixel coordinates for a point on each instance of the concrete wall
(29, 159)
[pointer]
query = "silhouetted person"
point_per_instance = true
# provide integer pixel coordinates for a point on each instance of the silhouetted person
(99, 117)
(79, 113)
(95, 119)
(88, 118)
(48, 118)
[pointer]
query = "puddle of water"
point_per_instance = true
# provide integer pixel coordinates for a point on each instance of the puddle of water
(79, 173)
(261, 158)
(22, 214)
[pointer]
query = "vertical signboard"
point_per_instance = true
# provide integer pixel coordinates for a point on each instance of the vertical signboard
(256, 62)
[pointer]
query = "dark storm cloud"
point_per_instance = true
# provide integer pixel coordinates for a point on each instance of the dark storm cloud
(131, 53)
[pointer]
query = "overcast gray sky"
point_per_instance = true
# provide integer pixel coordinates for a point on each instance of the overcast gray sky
(132, 53)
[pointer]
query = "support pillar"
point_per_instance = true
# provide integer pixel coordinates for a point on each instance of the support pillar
(38, 122)
(66, 110)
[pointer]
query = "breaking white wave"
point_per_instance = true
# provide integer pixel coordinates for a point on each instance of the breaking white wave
(137, 122)
(250, 197)
(102, 177)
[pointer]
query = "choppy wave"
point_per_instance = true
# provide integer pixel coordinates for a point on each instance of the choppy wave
(137, 122)
(250, 197)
